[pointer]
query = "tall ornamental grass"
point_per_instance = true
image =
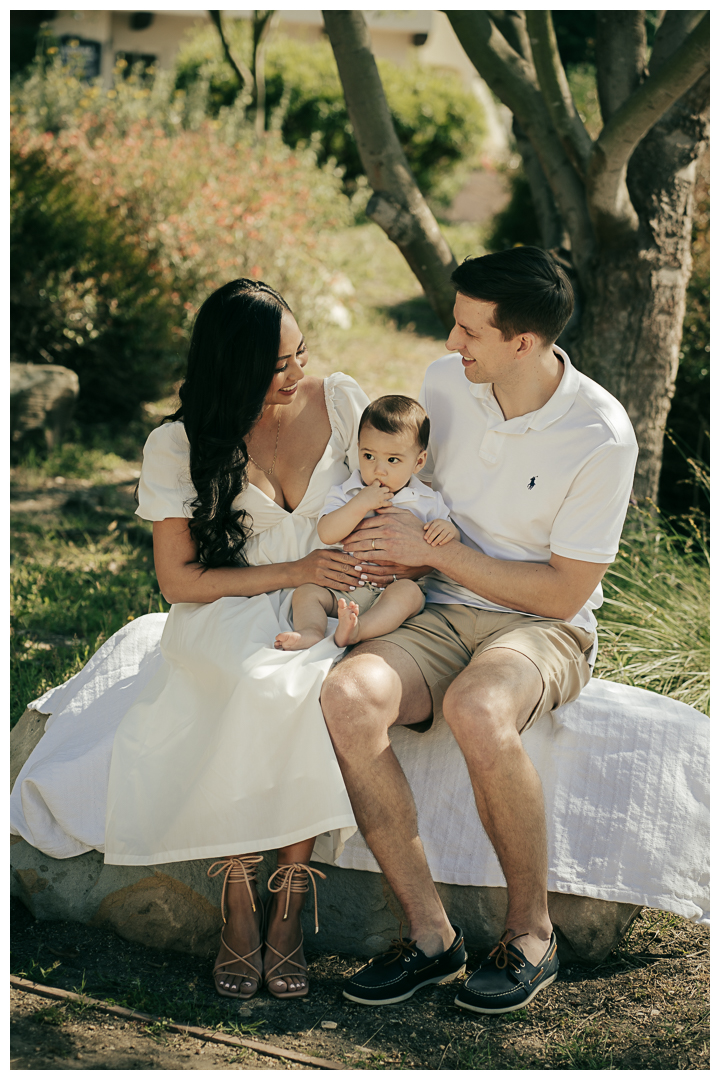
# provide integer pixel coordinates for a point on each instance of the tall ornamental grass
(654, 623)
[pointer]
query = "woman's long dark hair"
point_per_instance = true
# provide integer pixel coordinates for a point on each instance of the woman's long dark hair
(231, 362)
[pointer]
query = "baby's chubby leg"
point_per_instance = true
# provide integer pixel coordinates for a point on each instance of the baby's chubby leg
(311, 605)
(398, 602)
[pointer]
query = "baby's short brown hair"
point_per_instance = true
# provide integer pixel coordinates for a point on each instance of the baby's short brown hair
(396, 415)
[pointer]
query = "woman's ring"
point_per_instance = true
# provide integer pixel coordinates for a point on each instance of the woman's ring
(373, 545)
(394, 577)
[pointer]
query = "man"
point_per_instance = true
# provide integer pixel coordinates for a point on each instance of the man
(535, 462)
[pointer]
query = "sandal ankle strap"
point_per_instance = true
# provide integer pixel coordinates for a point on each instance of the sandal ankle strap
(294, 877)
(237, 868)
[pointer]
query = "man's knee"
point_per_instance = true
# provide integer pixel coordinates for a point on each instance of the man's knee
(487, 711)
(477, 711)
(359, 698)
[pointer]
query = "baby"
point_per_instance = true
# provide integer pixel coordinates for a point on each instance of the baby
(392, 445)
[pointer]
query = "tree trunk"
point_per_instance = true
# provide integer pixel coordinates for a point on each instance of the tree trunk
(629, 342)
(397, 205)
(632, 322)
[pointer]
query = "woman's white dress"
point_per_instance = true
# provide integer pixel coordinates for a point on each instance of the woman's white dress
(225, 750)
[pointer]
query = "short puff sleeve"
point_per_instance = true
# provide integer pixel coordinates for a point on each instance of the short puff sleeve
(165, 489)
(346, 403)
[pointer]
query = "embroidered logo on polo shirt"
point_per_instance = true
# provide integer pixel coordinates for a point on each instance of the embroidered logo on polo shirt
(531, 485)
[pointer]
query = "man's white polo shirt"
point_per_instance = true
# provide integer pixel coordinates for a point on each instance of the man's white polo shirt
(425, 503)
(555, 480)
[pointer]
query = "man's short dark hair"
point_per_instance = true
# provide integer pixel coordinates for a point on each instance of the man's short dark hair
(531, 292)
(396, 414)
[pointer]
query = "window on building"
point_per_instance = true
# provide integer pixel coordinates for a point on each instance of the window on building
(138, 63)
(82, 55)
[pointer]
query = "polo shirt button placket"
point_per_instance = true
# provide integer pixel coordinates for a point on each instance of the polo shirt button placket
(487, 446)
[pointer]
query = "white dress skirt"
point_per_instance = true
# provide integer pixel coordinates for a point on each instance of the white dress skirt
(224, 749)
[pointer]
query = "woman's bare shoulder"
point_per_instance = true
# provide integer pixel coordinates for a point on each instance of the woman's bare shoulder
(313, 392)
(313, 384)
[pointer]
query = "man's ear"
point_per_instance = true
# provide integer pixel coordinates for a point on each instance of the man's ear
(525, 344)
(420, 463)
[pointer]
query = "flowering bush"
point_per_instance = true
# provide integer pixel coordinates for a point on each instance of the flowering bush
(162, 203)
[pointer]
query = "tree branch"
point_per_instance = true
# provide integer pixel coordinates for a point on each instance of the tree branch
(555, 90)
(514, 81)
(671, 33)
(262, 27)
(553, 232)
(397, 205)
(620, 53)
(513, 26)
(238, 65)
(608, 199)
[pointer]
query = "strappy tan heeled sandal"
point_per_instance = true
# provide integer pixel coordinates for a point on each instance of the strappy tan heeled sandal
(238, 868)
(291, 878)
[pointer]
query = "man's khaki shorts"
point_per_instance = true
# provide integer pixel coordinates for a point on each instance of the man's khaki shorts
(444, 638)
(364, 596)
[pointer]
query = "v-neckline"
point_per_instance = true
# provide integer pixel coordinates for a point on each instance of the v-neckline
(312, 474)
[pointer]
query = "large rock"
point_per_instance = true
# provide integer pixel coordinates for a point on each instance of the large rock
(176, 906)
(42, 398)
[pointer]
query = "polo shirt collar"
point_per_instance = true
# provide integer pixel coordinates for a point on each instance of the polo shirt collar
(551, 411)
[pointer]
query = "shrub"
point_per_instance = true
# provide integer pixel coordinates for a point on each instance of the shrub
(439, 122)
(81, 294)
(129, 207)
(517, 222)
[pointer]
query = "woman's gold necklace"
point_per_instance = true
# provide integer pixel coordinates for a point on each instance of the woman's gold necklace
(268, 472)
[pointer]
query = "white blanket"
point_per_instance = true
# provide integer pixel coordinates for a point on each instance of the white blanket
(624, 771)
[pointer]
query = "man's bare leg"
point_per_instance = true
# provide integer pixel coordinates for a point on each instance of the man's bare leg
(378, 685)
(486, 707)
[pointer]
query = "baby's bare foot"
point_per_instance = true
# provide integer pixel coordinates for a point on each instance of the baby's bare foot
(292, 641)
(348, 626)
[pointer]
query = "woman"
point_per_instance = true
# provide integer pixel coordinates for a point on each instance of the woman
(225, 752)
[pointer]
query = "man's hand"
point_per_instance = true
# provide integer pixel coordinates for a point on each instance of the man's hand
(392, 536)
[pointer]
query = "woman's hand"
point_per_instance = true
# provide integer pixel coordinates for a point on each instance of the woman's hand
(382, 573)
(328, 567)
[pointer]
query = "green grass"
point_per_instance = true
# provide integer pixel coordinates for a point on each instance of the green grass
(75, 580)
(654, 627)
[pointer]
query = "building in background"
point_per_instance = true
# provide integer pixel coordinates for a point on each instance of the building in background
(100, 38)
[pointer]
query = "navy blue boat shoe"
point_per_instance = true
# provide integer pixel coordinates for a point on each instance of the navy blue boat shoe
(506, 980)
(395, 975)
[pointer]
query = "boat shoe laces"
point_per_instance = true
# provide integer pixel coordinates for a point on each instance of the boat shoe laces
(503, 956)
(395, 975)
(506, 980)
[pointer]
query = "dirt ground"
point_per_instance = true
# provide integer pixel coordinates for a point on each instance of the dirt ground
(645, 1007)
